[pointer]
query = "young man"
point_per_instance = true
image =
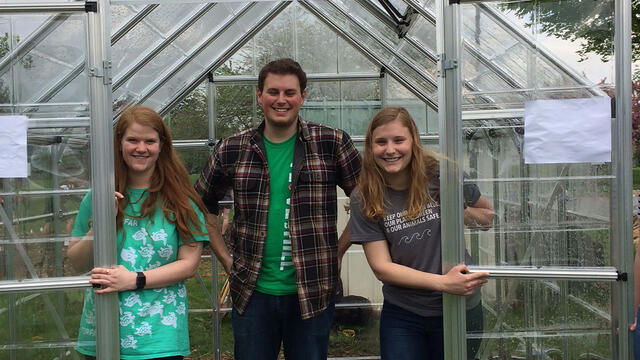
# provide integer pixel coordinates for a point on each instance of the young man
(285, 264)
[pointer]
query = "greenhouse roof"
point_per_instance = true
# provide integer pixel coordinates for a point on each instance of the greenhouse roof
(162, 51)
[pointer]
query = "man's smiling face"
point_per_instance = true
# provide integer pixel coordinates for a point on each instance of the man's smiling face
(281, 100)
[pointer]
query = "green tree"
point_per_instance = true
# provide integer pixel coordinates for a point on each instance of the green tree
(235, 105)
(189, 119)
(5, 94)
(26, 62)
(592, 21)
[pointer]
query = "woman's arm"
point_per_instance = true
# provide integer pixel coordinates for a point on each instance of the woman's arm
(80, 252)
(218, 245)
(456, 281)
(479, 215)
(121, 279)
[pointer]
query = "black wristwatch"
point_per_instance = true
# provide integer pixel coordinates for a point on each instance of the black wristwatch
(141, 280)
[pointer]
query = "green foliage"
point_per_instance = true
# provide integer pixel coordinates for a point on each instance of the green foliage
(4, 44)
(636, 178)
(26, 62)
(590, 21)
(189, 119)
(235, 104)
(5, 94)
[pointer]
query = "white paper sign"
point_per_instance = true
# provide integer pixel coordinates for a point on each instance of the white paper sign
(13, 146)
(567, 131)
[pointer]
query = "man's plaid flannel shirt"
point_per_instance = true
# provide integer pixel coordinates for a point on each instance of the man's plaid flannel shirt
(323, 159)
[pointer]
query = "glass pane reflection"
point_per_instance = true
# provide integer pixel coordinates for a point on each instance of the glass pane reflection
(545, 319)
(40, 325)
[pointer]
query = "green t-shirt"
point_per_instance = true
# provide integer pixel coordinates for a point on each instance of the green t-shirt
(153, 322)
(277, 274)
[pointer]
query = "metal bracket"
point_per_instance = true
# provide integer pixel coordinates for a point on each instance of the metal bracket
(104, 73)
(410, 17)
(91, 6)
(95, 72)
(106, 65)
(445, 64)
(622, 276)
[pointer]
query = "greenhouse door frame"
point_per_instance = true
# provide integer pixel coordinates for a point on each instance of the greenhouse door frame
(98, 64)
(449, 40)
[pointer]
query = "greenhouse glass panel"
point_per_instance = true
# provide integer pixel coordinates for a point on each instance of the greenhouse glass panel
(316, 44)
(165, 18)
(425, 117)
(369, 21)
(6, 93)
(184, 39)
(351, 60)
(120, 15)
(182, 76)
(49, 51)
(235, 108)
(240, 63)
(46, 77)
(363, 36)
(424, 32)
(73, 91)
(361, 99)
(131, 46)
(193, 158)
(40, 325)
(554, 221)
(276, 38)
(43, 206)
(553, 319)
(200, 291)
(323, 104)
(189, 120)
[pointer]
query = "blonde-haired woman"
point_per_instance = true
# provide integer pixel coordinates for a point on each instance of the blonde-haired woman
(395, 215)
(160, 235)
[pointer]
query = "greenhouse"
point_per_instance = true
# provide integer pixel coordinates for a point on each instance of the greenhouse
(476, 76)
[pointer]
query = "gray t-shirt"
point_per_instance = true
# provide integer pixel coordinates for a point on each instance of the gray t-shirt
(413, 243)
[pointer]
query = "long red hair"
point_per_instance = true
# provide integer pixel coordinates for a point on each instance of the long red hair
(423, 167)
(170, 187)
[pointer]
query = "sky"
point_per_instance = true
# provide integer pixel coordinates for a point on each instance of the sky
(593, 68)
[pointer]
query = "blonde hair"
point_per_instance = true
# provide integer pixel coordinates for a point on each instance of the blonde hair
(423, 167)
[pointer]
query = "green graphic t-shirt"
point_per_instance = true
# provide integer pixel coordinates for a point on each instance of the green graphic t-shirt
(277, 275)
(153, 322)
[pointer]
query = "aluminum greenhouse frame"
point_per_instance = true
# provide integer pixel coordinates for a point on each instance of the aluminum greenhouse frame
(429, 68)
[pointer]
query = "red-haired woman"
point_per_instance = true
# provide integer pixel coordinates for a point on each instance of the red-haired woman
(160, 235)
(395, 215)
